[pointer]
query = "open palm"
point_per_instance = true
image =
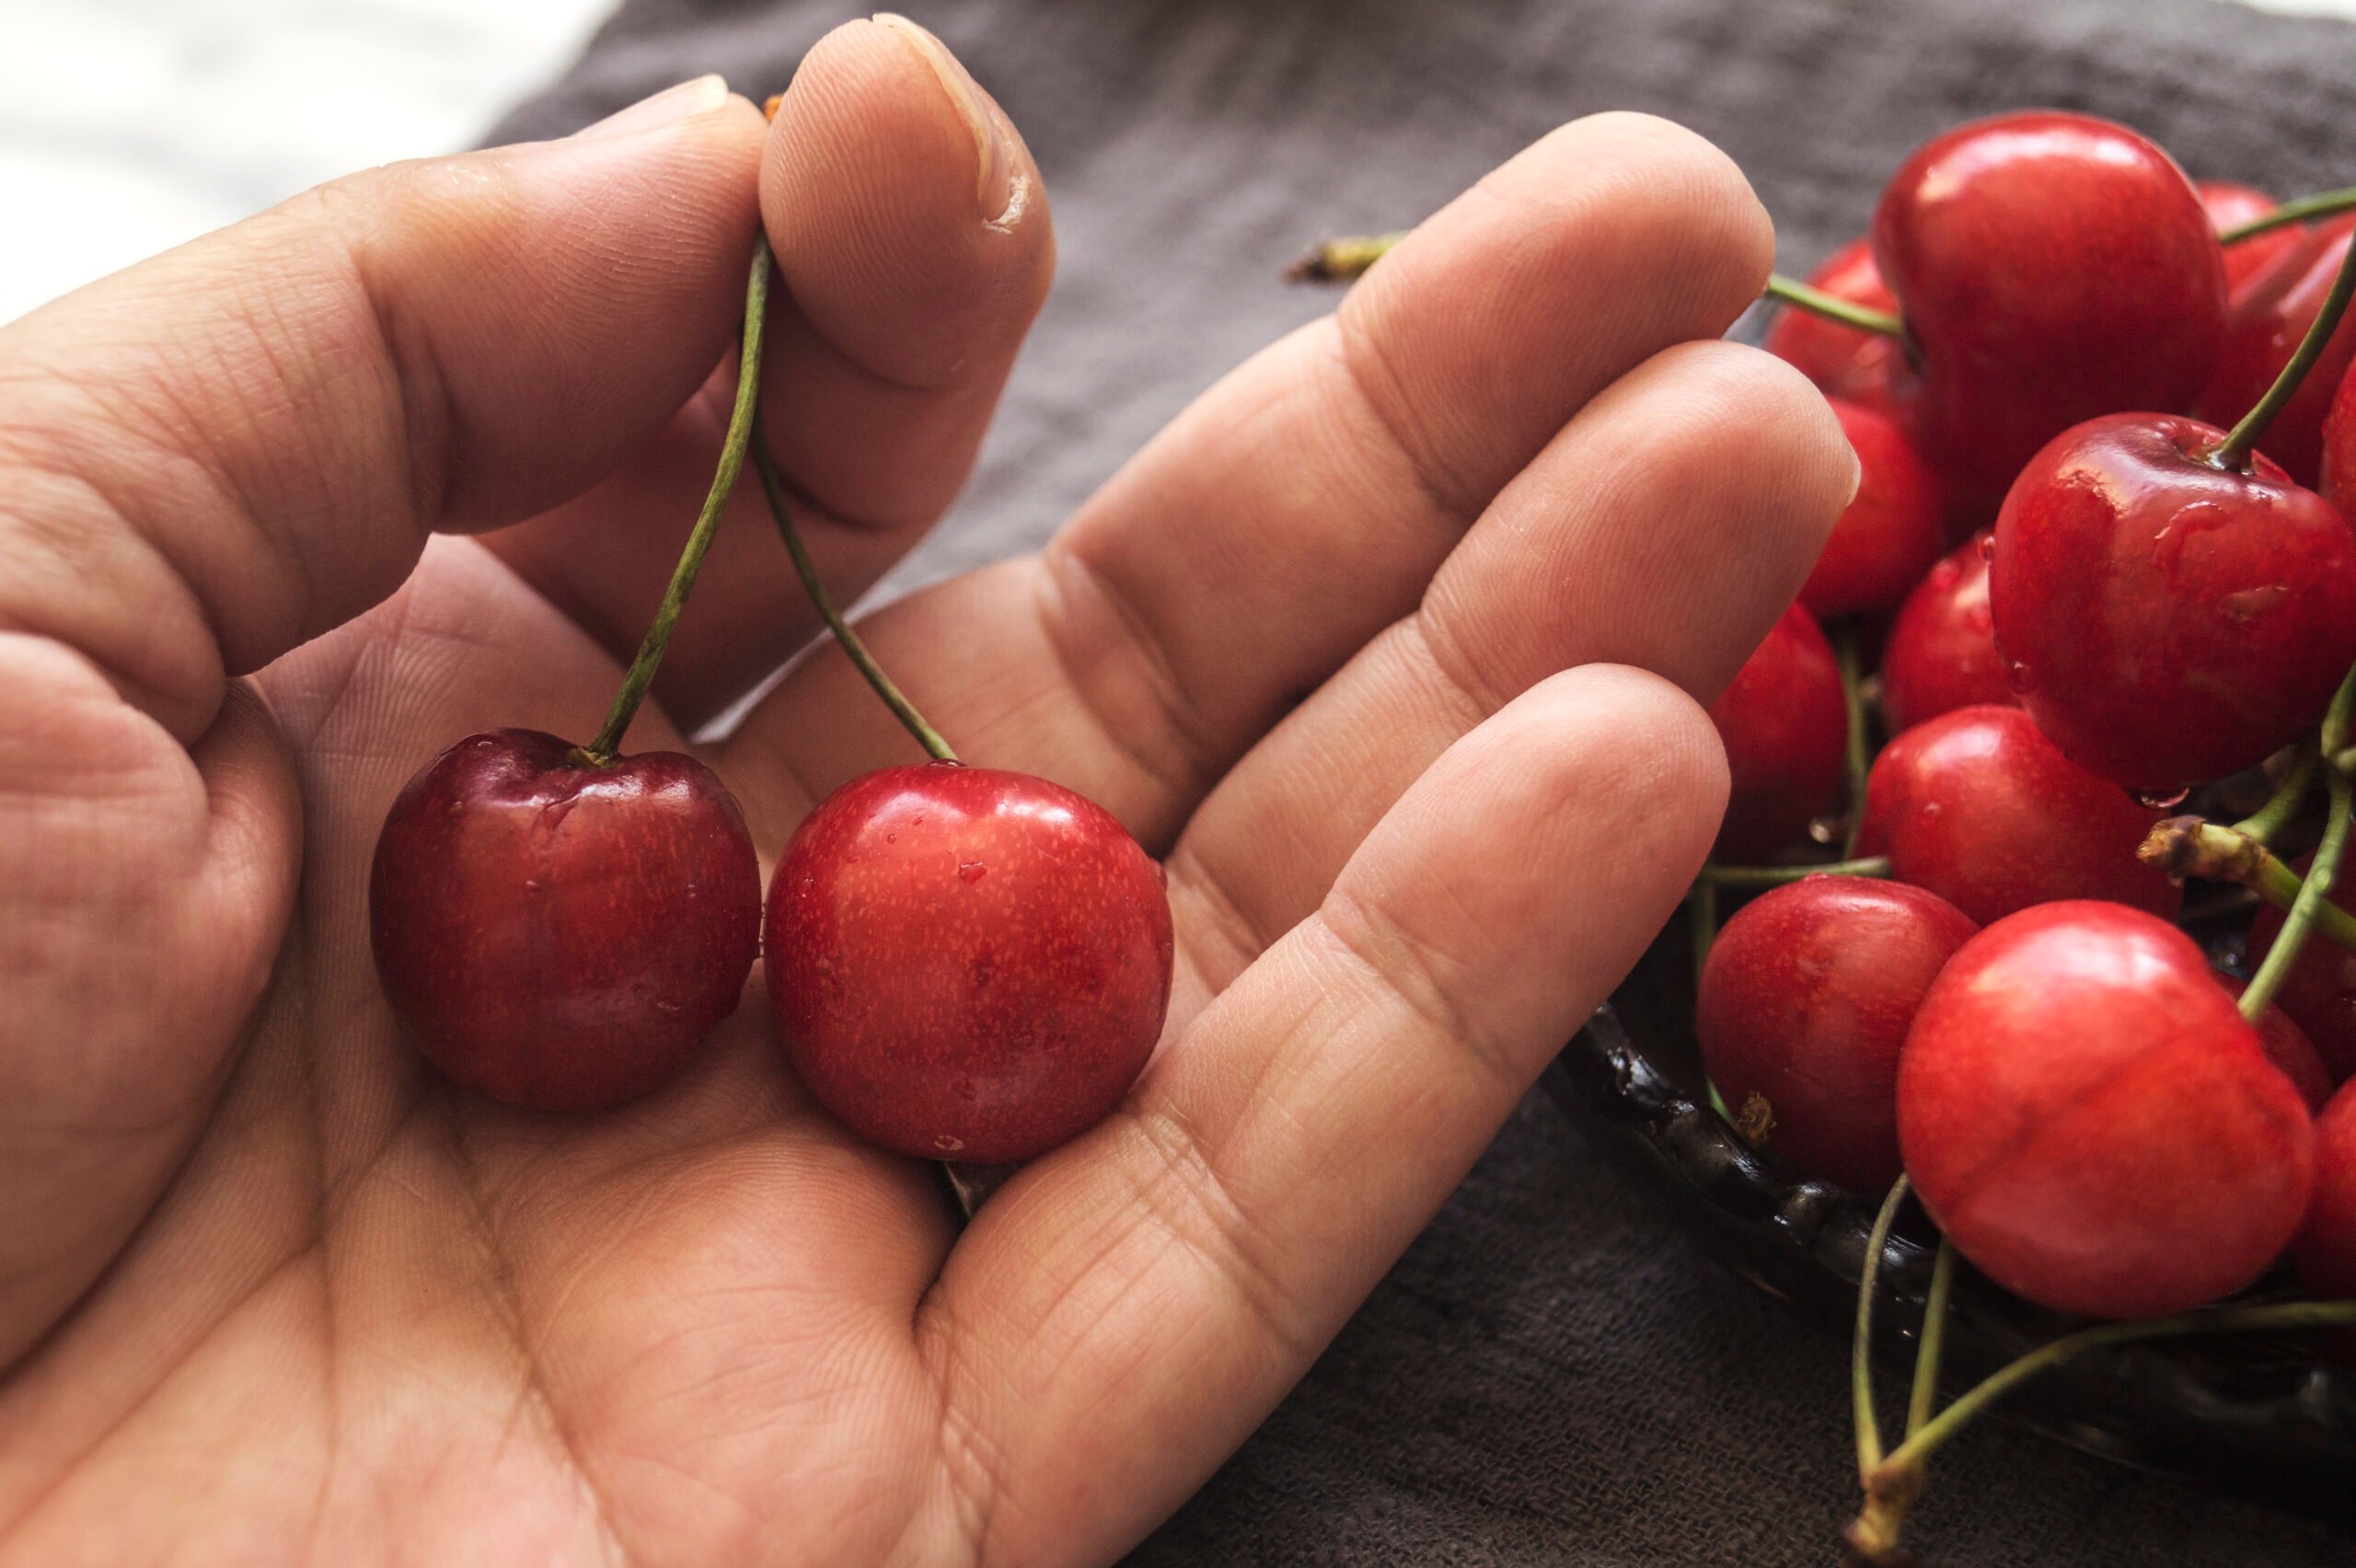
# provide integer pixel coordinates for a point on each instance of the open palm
(1390, 647)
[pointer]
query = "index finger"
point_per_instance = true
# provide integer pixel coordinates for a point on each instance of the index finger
(217, 454)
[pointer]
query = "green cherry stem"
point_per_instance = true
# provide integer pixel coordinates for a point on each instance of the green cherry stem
(1861, 1347)
(2283, 804)
(2322, 205)
(601, 752)
(773, 487)
(1832, 307)
(2188, 846)
(2208, 1320)
(1934, 1342)
(1340, 260)
(1748, 877)
(2243, 438)
(2312, 897)
(1893, 1483)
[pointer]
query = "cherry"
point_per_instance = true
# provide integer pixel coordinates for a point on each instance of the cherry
(2338, 466)
(1891, 530)
(2086, 1116)
(2325, 1249)
(1784, 722)
(1804, 1002)
(556, 926)
(2288, 1048)
(1941, 652)
(560, 935)
(1981, 808)
(2229, 206)
(2270, 313)
(1842, 360)
(2319, 993)
(2165, 619)
(2051, 267)
(966, 963)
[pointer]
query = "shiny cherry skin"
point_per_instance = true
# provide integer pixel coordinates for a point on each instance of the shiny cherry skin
(967, 964)
(1784, 724)
(2165, 620)
(2288, 1048)
(1890, 532)
(2051, 267)
(556, 935)
(2324, 1254)
(2338, 469)
(1842, 361)
(2319, 993)
(2088, 1119)
(2269, 314)
(1941, 652)
(1981, 808)
(2229, 206)
(1804, 1002)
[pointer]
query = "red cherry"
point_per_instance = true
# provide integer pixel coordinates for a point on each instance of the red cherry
(2337, 467)
(1889, 534)
(1982, 810)
(2288, 1048)
(2229, 206)
(556, 935)
(2319, 993)
(967, 964)
(1941, 652)
(2167, 621)
(1804, 1002)
(2090, 1121)
(2051, 267)
(2325, 1249)
(1842, 359)
(2269, 314)
(1785, 725)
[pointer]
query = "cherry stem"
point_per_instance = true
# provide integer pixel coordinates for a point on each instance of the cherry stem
(2283, 804)
(1861, 1348)
(2243, 438)
(1776, 876)
(2208, 1320)
(2188, 846)
(601, 752)
(2317, 206)
(2313, 896)
(1832, 307)
(1844, 652)
(804, 568)
(1340, 260)
(1933, 1343)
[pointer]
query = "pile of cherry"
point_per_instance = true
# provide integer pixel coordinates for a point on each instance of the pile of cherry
(2012, 1017)
(2099, 563)
(2102, 545)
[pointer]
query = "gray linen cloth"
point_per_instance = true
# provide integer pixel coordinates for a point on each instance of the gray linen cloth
(1556, 1373)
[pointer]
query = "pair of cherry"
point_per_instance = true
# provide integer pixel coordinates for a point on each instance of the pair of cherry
(963, 963)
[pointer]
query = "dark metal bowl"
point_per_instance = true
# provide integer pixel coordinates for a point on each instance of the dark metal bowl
(2268, 1417)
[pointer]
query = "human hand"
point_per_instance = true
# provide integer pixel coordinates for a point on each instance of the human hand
(270, 1290)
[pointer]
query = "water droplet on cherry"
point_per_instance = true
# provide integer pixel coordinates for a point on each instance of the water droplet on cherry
(971, 870)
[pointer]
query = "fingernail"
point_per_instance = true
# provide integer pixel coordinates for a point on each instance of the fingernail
(994, 171)
(1856, 475)
(698, 97)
